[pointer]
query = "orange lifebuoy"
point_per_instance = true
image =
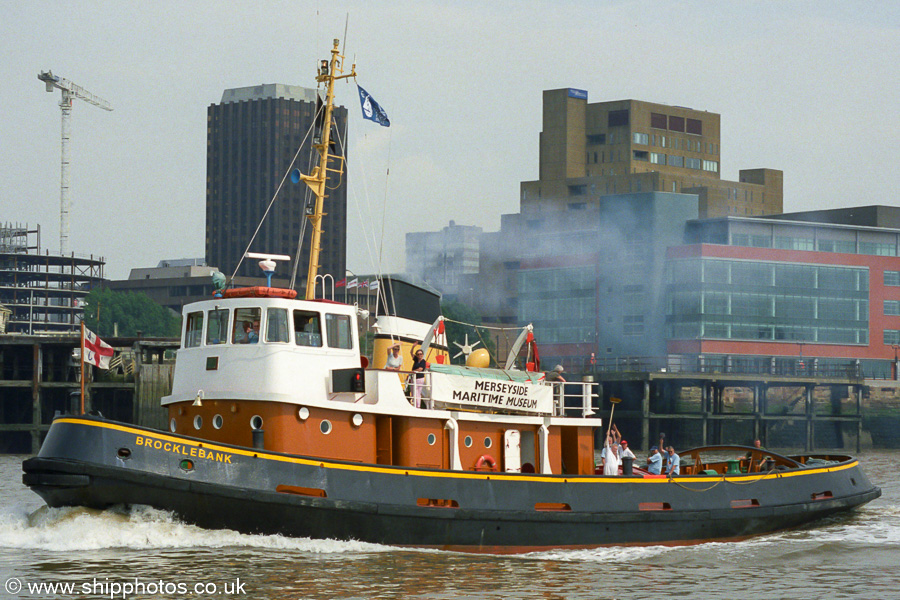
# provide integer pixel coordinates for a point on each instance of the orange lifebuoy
(486, 459)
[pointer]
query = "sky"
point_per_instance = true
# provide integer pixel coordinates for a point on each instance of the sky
(807, 87)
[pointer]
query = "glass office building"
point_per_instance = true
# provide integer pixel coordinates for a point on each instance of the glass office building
(793, 295)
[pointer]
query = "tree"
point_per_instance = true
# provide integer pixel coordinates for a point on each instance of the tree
(457, 311)
(107, 312)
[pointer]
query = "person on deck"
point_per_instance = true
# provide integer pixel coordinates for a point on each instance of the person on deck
(611, 459)
(555, 374)
(654, 461)
(625, 451)
(674, 462)
(394, 360)
(419, 366)
(749, 456)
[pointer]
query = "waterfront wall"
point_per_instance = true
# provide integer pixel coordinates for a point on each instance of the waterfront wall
(40, 376)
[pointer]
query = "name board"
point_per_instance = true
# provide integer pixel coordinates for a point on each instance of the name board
(580, 94)
(491, 394)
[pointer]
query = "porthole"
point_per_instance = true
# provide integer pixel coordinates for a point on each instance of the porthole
(468, 441)
(357, 420)
(172, 426)
(256, 422)
(432, 439)
(488, 442)
(325, 426)
(218, 421)
(303, 413)
(198, 422)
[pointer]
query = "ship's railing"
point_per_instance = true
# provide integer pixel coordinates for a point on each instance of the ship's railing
(788, 366)
(575, 398)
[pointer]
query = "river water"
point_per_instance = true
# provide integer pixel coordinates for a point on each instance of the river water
(148, 554)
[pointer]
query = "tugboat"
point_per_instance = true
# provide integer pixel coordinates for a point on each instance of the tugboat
(278, 425)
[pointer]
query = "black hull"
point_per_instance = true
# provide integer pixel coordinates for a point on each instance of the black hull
(495, 512)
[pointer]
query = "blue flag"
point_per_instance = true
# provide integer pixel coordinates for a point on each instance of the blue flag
(372, 110)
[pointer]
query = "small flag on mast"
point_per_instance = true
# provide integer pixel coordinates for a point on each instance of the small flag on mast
(352, 283)
(372, 110)
(96, 351)
(341, 283)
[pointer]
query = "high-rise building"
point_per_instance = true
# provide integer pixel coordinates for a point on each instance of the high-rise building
(253, 137)
(629, 146)
(442, 258)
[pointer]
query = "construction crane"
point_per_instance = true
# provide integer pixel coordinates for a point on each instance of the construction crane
(69, 92)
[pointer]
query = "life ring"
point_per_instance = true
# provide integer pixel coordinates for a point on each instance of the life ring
(486, 459)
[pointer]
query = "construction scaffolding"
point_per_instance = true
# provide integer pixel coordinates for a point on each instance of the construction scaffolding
(44, 293)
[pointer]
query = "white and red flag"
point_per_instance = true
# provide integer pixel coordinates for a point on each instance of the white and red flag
(96, 351)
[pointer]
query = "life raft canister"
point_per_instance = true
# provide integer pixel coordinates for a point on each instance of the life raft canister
(259, 291)
(486, 459)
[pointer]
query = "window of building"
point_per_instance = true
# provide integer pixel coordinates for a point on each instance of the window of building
(617, 118)
(640, 138)
(641, 155)
(658, 158)
(694, 126)
(596, 138)
(675, 161)
(693, 163)
(794, 243)
(840, 246)
(892, 307)
(711, 165)
(633, 325)
(878, 248)
(658, 121)
(577, 190)
(676, 123)
(892, 337)
(892, 278)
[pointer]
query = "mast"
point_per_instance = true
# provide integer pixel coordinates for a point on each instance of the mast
(328, 73)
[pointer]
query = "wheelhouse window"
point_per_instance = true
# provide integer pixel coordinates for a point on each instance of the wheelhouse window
(308, 328)
(217, 328)
(338, 329)
(246, 326)
(277, 325)
(193, 331)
